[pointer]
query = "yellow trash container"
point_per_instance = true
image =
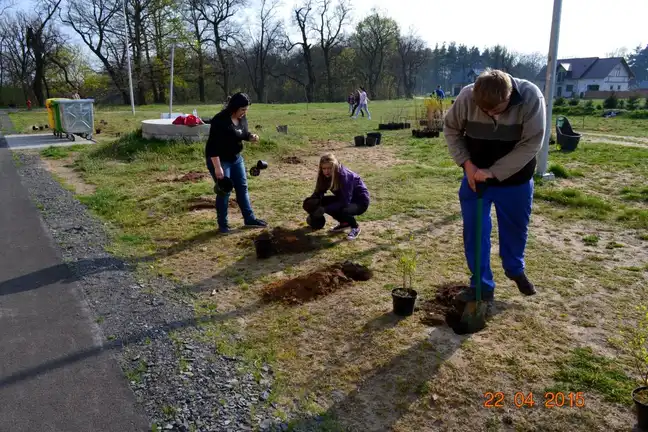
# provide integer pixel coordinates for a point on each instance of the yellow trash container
(51, 114)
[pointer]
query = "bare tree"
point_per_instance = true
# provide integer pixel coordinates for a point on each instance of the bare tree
(5, 5)
(330, 23)
(37, 35)
(100, 24)
(15, 54)
(413, 55)
(376, 38)
(303, 19)
(263, 41)
(197, 29)
(219, 14)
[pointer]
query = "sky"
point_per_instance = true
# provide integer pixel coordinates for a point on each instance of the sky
(589, 28)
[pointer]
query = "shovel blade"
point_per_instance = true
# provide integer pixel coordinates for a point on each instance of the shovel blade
(473, 318)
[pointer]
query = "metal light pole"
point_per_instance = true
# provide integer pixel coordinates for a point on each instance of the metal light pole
(550, 87)
(171, 84)
(130, 75)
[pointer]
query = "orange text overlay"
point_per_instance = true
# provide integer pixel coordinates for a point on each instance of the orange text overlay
(528, 399)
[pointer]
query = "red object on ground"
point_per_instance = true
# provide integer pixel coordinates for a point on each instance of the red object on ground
(29, 104)
(190, 120)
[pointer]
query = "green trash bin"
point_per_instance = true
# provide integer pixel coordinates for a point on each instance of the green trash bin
(57, 118)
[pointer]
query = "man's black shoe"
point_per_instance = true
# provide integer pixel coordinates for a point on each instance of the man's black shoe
(524, 284)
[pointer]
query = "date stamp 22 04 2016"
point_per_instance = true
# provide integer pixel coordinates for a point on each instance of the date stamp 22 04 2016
(527, 400)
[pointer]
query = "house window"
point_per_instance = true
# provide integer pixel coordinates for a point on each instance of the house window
(570, 88)
(618, 87)
(611, 87)
(593, 87)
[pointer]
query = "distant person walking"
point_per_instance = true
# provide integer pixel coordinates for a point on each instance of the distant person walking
(351, 101)
(362, 103)
(356, 102)
(439, 92)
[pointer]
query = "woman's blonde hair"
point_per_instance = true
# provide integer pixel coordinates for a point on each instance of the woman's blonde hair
(323, 183)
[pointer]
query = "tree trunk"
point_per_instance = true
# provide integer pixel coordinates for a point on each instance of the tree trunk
(201, 76)
(310, 86)
(38, 78)
(137, 55)
(158, 97)
(225, 85)
(47, 90)
(329, 78)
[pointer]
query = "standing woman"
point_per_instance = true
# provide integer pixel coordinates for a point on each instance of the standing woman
(362, 103)
(227, 132)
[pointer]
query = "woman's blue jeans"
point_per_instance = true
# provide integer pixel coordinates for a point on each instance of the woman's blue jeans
(235, 170)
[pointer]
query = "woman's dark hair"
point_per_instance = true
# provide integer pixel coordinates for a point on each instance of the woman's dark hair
(237, 101)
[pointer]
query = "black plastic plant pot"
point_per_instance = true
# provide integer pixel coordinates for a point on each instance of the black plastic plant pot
(254, 171)
(376, 135)
(262, 165)
(263, 247)
(316, 223)
(370, 141)
(382, 126)
(415, 133)
(224, 186)
(404, 300)
(640, 397)
(359, 140)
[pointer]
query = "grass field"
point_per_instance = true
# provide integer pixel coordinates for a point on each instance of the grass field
(343, 359)
(120, 118)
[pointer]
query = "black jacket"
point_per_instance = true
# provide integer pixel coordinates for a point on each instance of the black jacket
(225, 139)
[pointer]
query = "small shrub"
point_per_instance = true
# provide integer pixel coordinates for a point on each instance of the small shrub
(574, 102)
(591, 240)
(599, 106)
(638, 114)
(621, 104)
(559, 101)
(633, 103)
(559, 171)
(611, 102)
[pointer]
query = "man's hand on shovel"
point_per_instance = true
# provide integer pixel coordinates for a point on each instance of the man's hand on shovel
(482, 175)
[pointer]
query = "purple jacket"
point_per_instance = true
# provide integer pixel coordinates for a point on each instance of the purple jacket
(352, 190)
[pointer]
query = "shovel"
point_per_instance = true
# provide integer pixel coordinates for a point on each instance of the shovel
(473, 318)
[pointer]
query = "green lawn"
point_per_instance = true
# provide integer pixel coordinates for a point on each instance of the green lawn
(344, 357)
(120, 118)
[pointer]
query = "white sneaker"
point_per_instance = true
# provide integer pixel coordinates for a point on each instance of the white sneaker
(354, 233)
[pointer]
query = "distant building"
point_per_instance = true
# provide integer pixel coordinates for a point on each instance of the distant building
(579, 75)
(461, 78)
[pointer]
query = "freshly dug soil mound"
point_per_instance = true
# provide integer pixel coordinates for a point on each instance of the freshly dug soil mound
(443, 308)
(191, 176)
(286, 241)
(292, 160)
(316, 284)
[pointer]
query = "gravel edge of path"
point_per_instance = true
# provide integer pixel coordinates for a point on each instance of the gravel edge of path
(180, 380)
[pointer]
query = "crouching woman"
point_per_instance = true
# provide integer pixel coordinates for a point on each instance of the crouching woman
(350, 196)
